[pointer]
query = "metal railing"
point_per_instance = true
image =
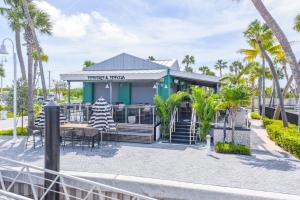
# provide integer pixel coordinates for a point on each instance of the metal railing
(193, 127)
(70, 187)
(173, 119)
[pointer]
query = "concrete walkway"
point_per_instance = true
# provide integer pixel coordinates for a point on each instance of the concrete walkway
(9, 123)
(269, 168)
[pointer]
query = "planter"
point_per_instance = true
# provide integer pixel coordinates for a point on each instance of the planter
(3, 114)
(131, 119)
(241, 136)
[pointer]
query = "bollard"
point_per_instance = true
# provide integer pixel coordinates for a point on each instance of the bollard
(52, 147)
(208, 149)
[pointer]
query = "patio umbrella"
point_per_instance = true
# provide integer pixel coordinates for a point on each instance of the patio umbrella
(40, 120)
(101, 117)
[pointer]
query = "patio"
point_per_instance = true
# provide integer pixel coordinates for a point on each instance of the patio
(267, 169)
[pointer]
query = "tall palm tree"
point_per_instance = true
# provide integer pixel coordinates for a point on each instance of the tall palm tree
(220, 64)
(2, 75)
(88, 63)
(297, 23)
(36, 74)
(188, 60)
(236, 67)
(15, 17)
(206, 71)
(282, 39)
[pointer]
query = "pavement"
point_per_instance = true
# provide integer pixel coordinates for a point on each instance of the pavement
(269, 168)
(9, 123)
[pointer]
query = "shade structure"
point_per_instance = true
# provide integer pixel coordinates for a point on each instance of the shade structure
(101, 117)
(40, 120)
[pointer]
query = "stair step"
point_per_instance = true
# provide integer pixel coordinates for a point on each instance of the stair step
(182, 141)
(184, 137)
(181, 133)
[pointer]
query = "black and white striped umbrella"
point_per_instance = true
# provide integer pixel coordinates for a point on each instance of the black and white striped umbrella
(40, 120)
(101, 117)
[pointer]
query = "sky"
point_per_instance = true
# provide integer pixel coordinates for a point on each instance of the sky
(166, 29)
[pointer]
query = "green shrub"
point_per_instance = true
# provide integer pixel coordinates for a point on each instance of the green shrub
(232, 148)
(255, 115)
(20, 131)
(286, 137)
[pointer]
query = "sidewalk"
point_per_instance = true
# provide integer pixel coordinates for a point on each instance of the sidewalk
(9, 123)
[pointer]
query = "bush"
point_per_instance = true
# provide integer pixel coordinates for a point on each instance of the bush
(286, 137)
(20, 131)
(232, 148)
(255, 115)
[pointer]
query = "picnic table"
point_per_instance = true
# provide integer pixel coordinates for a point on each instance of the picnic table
(80, 129)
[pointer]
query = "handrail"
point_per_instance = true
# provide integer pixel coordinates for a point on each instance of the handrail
(22, 170)
(193, 125)
(174, 114)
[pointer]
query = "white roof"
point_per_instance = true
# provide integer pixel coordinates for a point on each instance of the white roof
(195, 76)
(172, 64)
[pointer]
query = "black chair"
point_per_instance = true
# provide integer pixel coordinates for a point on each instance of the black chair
(34, 131)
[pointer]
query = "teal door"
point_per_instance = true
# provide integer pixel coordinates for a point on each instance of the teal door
(124, 94)
(88, 92)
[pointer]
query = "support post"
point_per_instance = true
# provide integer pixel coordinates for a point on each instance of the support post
(69, 100)
(208, 148)
(52, 147)
(110, 92)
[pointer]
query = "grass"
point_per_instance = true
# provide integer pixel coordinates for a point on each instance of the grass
(255, 115)
(286, 137)
(229, 148)
(20, 131)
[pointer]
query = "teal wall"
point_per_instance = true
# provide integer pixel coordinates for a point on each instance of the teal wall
(124, 93)
(88, 92)
(167, 81)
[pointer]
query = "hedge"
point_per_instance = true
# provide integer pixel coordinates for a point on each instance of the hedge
(255, 115)
(232, 148)
(286, 137)
(20, 131)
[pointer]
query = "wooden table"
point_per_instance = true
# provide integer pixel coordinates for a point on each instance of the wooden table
(87, 130)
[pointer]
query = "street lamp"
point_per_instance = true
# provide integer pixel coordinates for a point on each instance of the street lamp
(3, 50)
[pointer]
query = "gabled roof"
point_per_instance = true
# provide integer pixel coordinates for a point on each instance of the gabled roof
(172, 64)
(125, 61)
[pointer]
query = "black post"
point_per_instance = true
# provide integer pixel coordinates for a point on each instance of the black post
(52, 147)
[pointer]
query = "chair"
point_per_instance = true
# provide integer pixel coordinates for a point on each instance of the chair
(34, 131)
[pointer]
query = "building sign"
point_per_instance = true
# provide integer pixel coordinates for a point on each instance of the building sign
(105, 77)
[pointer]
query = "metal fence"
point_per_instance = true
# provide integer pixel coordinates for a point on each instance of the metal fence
(15, 175)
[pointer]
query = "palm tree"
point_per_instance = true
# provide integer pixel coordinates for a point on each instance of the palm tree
(88, 63)
(206, 71)
(220, 64)
(15, 18)
(151, 58)
(188, 59)
(297, 23)
(2, 75)
(44, 58)
(236, 67)
(282, 39)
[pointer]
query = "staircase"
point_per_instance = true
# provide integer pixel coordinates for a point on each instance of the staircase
(181, 134)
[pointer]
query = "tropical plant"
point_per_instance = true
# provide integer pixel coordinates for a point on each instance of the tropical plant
(204, 104)
(220, 65)
(88, 63)
(282, 39)
(233, 97)
(44, 58)
(151, 58)
(236, 67)
(206, 71)
(188, 60)
(297, 23)
(2, 75)
(165, 106)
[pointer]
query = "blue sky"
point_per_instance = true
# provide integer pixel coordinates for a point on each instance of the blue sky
(99, 29)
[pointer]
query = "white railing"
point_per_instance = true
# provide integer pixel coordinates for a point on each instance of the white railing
(14, 173)
(174, 118)
(193, 126)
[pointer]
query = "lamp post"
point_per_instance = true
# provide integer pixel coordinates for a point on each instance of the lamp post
(3, 50)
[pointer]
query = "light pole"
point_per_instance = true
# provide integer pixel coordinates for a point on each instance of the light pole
(3, 50)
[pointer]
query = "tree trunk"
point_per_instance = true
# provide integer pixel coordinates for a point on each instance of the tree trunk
(30, 23)
(30, 86)
(220, 72)
(263, 107)
(275, 77)
(252, 98)
(35, 65)
(259, 94)
(19, 53)
(270, 21)
(286, 88)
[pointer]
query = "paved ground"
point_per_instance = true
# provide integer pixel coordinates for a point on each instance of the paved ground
(9, 123)
(268, 168)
